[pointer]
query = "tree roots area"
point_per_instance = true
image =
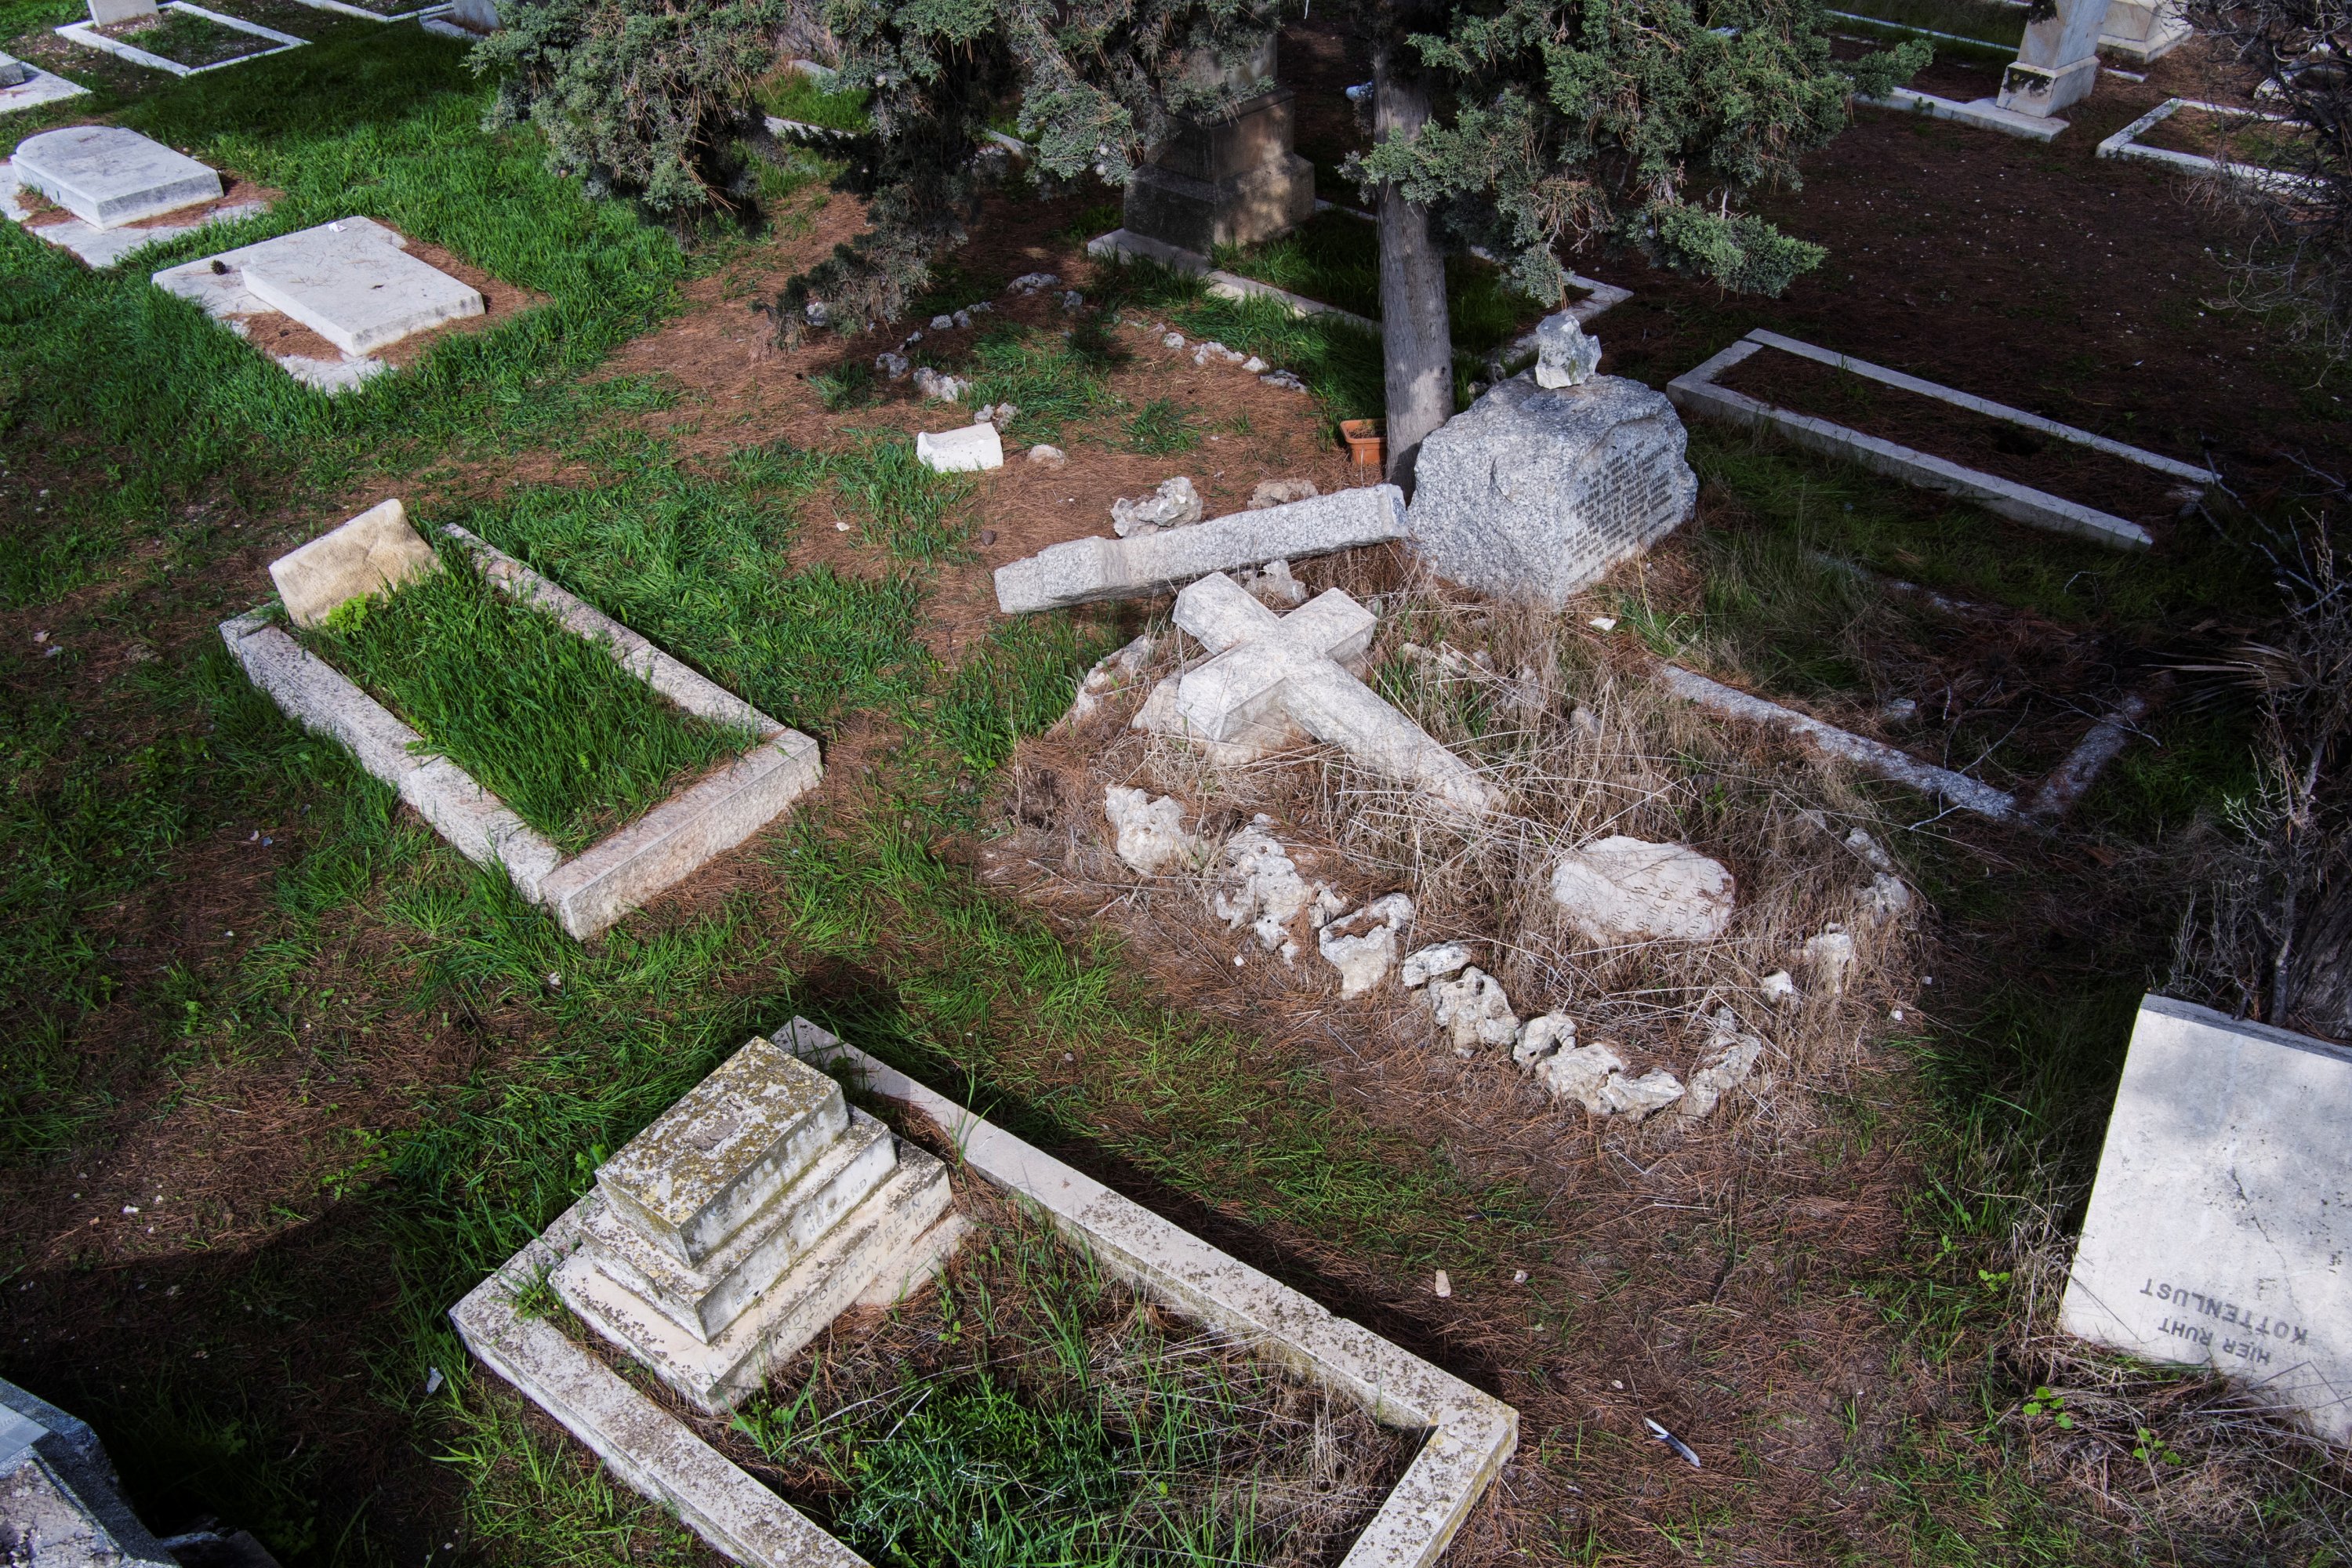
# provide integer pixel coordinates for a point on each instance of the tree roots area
(284, 1077)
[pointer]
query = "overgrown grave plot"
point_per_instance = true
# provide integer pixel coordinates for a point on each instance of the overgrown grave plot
(547, 740)
(788, 1209)
(183, 39)
(1991, 440)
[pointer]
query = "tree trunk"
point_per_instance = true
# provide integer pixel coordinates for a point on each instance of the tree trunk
(1416, 339)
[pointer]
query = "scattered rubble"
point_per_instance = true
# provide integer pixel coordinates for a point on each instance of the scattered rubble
(1151, 837)
(1173, 505)
(1364, 957)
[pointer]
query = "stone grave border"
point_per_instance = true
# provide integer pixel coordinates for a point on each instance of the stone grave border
(1121, 245)
(2067, 784)
(341, 9)
(1982, 112)
(2125, 143)
(108, 247)
(1695, 391)
(1471, 1435)
(39, 87)
(592, 889)
(82, 32)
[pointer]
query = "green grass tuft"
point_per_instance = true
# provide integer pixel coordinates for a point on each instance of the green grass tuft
(545, 720)
(1160, 426)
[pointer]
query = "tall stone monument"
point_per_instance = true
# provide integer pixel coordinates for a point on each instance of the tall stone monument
(1229, 178)
(2058, 63)
(1546, 482)
(2220, 1230)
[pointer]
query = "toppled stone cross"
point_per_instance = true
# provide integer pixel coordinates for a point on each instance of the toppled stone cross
(1264, 661)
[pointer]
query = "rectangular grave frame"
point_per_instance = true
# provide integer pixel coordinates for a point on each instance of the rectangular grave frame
(38, 88)
(1984, 113)
(1695, 391)
(588, 892)
(1470, 1435)
(89, 37)
(2125, 143)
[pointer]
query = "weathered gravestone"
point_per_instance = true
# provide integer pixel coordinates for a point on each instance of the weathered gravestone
(1275, 667)
(60, 1501)
(106, 176)
(1533, 493)
(1224, 179)
(351, 283)
(107, 13)
(2220, 1230)
(2058, 62)
(730, 1232)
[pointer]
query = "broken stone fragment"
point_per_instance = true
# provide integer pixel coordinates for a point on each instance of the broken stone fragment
(1049, 457)
(1363, 946)
(1112, 672)
(1254, 366)
(1627, 889)
(892, 364)
(1637, 1098)
(1173, 505)
(1432, 962)
(1731, 1056)
(1274, 586)
(1151, 837)
(973, 448)
(1473, 1010)
(1779, 987)
(1829, 958)
(1580, 1073)
(1887, 898)
(1283, 380)
(1541, 1036)
(1030, 283)
(1172, 341)
(1564, 355)
(942, 323)
(1073, 303)
(373, 552)
(944, 388)
(1260, 887)
(1280, 492)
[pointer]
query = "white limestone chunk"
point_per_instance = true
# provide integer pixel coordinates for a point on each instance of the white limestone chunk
(968, 450)
(1473, 1010)
(1872, 855)
(1780, 987)
(1173, 505)
(1731, 1055)
(1829, 958)
(1580, 1073)
(1885, 899)
(1432, 962)
(1364, 957)
(1048, 458)
(1280, 492)
(1565, 356)
(937, 387)
(1274, 586)
(1621, 888)
(1541, 1036)
(1260, 887)
(1637, 1098)
(1112, 672)
(1030, 283)
(1151, 834)
(892, 364)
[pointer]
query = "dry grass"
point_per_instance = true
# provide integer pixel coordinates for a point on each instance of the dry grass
(1583, 746)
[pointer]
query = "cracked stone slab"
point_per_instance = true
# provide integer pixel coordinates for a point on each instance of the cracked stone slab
(2220, 1229)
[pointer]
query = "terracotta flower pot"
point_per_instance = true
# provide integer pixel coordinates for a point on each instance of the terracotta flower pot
(1367, 447)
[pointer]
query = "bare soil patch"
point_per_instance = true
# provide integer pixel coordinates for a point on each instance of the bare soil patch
(2063, 468)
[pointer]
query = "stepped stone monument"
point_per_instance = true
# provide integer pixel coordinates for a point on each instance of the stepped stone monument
(730, 1232)
(2220, 1230)
(1229, 178)
(1533, 493)
(2058, 63)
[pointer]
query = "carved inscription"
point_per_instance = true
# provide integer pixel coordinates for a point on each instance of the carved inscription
(2251, 1334)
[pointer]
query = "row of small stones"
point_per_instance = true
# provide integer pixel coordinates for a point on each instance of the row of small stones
(894, 365)
(1260, 887)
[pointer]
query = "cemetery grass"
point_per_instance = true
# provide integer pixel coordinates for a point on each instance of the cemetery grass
(543, 719)
(1026, 1409)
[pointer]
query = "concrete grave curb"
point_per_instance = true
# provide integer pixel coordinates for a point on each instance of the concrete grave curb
(2125, 143)
(1695, 391)
(1080, 569)
(1470, 1435)
(39, 87)
(82, 32)
(590, 891)
(1984, 113)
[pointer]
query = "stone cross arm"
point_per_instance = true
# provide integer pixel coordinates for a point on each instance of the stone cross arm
(1264, 660)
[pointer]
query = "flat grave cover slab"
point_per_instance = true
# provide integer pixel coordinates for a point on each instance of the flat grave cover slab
(107, 176)
(355, 288)
(218, 283)
(2220, 1230)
